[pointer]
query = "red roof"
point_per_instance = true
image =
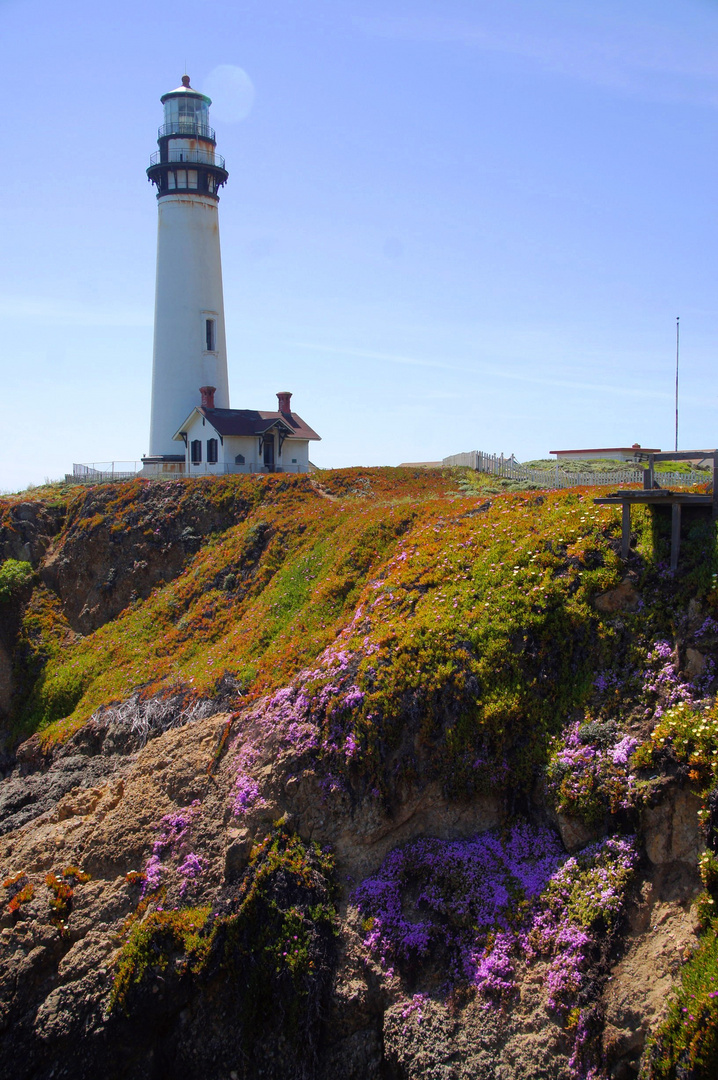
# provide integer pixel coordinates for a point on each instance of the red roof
(256, 422)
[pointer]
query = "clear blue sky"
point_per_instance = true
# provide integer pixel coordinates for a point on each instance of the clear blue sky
(448, 225)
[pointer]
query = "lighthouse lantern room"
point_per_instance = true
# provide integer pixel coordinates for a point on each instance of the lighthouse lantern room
(189, 340)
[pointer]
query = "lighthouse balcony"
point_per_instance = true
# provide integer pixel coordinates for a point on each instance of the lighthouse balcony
(186, 128)
(191, 157)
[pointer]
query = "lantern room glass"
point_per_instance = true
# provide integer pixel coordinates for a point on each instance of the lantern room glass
(186, 114)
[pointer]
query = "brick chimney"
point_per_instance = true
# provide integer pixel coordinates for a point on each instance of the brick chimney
(284, 407)
(207, 393)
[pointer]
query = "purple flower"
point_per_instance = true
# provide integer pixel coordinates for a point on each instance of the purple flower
(246, 794)
(153, 875)
(354, 697)
(494, 973)
(622, 751)
(174, 828)
(190, 870)
(461, 890)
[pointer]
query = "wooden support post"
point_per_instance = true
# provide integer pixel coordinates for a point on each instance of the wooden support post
(625, 529)
(648, 475)
(675, 534)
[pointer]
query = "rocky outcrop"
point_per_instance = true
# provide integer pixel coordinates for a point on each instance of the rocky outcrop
(27, 530)
(103, 812)
(663, 931)
(109, 556)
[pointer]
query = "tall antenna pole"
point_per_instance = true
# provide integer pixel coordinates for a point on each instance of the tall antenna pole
(678, 349)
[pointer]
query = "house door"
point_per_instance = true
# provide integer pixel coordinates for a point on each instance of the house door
(269, 451)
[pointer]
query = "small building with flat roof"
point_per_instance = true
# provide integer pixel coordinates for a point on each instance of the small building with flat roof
(605, 453)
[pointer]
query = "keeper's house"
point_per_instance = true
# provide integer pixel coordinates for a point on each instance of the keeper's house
(244, 440)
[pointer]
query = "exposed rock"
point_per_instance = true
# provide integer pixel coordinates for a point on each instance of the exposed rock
(663, 932)
(28, 531)
(695, 663)
(54, 988)
(575, 833)
(362, 836)
(623, 598)
(671, 829)
(23, 798)
(477, 1043)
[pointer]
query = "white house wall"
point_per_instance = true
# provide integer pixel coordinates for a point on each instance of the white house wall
(247, 447)
(295, 455)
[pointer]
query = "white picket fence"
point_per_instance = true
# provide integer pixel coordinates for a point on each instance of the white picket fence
(511, 469)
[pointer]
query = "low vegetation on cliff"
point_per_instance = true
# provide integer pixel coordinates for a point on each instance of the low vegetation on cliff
(376, 633)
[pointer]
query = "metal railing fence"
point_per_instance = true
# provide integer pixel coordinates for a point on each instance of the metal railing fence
(99, 472)
(511, 469)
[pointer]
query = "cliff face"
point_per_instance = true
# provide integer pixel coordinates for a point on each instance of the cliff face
(365, 777)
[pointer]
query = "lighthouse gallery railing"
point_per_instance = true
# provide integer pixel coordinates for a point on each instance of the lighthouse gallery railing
(190, 157)
(189, 128)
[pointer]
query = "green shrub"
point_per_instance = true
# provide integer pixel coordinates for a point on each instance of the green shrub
(14, 576)
(152, 943)
(268, 950)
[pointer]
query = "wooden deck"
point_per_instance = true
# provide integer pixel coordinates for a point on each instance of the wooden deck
(652, 495)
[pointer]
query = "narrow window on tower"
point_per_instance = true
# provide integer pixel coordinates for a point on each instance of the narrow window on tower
(210, 335)
(196, 451)
(171, 180)
(192, 178)
(181, 178)
(211, 451)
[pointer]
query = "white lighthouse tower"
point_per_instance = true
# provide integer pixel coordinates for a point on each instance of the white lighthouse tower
(189, 343)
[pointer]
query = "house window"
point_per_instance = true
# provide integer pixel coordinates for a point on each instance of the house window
(239, 460)
(210, 335)
(196, 451)
(294, 461)
(211, 451)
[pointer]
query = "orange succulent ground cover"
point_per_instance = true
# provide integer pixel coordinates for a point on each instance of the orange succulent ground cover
(434, 568)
